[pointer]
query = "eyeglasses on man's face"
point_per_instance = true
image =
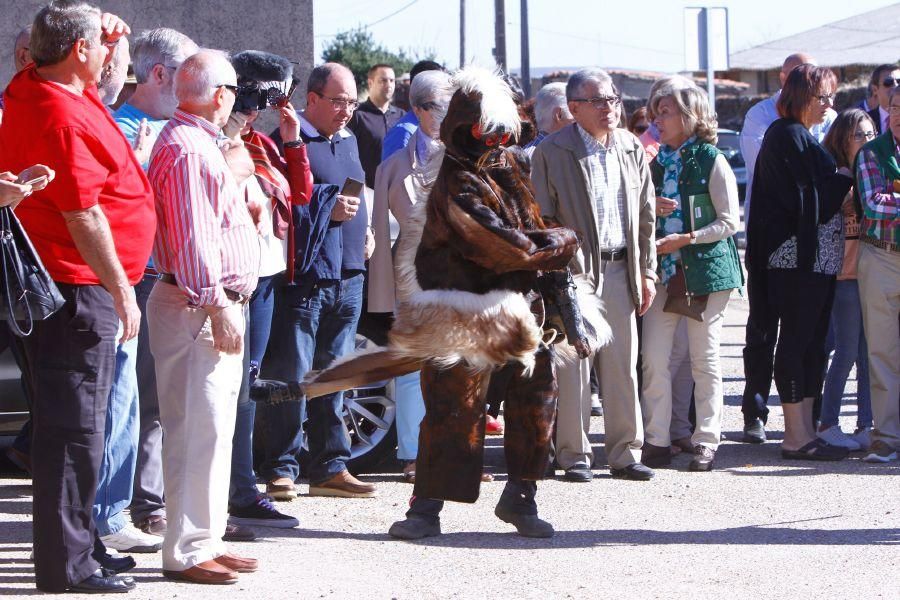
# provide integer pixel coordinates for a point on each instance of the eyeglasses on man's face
(600, 102)
(340, 103)
(894, 109)
(889, 82)
(228, 86)
(863, 136)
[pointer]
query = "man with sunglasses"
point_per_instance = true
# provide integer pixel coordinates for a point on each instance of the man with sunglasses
(317, 316)
(593, 177)
(886, 78)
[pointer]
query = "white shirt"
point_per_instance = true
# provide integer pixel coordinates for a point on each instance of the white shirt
(884, 116)
(606, 190)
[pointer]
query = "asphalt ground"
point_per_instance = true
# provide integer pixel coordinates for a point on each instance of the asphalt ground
(756, 527)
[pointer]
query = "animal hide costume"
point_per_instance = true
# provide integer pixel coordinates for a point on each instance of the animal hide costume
(478, 275)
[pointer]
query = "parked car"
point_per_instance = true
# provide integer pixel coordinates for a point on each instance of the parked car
(729, 144)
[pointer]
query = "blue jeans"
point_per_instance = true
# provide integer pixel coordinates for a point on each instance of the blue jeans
(120, 442)
(849, 347)
(256, 337)
(410, 412)
(316, 324)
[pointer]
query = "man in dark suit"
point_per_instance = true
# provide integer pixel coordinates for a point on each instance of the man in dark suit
(884, 79)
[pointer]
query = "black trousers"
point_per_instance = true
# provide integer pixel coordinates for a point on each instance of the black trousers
(72, 361)
(759, 349)
(803, 303)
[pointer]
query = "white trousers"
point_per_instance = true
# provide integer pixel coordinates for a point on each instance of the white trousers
(703, 343)
(682, 383)
(617, 369)
(879, 293)
(198, 389)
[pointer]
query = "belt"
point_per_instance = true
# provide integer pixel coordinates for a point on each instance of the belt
(613, 255)
(890, 246)
(232, 295)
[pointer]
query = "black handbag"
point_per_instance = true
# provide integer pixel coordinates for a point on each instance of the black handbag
(28, 293)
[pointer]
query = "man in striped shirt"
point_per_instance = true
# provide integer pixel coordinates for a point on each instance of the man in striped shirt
(207, 253)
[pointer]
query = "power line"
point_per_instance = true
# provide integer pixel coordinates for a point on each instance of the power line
(373, 23)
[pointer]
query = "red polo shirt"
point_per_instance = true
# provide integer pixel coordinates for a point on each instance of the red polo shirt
(44, 123)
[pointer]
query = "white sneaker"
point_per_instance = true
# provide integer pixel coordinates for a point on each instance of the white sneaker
(131, 539)
(863, 437)
(834, 436)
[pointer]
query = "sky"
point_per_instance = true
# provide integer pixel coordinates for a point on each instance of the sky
(645, 35)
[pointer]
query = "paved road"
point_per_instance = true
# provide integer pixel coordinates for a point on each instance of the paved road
(757, 527)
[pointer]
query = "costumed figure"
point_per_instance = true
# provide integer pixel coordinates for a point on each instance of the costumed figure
(479, 280)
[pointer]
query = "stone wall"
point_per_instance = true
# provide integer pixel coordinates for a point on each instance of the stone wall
(281, 26)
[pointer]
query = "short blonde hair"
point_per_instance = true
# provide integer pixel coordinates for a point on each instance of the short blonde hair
(693, 105)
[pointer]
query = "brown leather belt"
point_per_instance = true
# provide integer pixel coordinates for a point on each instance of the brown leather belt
(889, 246)
(613, 255)
(232, 295)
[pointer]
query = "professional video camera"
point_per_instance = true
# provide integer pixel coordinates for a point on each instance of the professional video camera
(265, 80)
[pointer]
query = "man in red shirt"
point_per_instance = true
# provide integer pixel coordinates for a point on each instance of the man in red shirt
(93, 228)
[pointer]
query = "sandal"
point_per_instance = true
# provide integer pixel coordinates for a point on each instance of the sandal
(409, 472)
(816, 450)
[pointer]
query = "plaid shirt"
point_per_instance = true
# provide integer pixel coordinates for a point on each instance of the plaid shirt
(879, 202)
(607, 191)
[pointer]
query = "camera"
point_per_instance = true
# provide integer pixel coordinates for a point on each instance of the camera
(262, 96)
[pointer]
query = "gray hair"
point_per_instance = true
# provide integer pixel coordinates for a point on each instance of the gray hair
(58, 26)
(578, 79)
(197, 77)
(161, 46)
(431, 85)
(546, 101)
(693, 105)
(671, 83)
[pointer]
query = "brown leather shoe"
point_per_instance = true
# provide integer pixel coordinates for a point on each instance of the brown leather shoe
(238, 533)
(343, 485)
(208, 572)
(282, 489)
(154, 525)
(237, 563)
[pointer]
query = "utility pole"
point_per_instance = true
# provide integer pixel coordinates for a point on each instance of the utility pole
(526, 57)
(706, 49)
(500, 33)
(462, 33)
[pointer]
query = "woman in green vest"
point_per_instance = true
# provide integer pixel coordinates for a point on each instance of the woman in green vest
(699, 266)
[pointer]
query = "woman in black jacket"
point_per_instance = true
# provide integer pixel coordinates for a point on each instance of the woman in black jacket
(795, 246)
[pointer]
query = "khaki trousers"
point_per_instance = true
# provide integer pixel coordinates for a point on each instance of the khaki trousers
(703, 343)
(682, 384)
(616, 365)
(879, 292)
(198, 389)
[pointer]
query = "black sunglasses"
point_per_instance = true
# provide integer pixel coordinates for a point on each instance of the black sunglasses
(889, 82)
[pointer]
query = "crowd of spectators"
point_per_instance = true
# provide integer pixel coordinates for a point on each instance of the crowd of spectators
(196, 253)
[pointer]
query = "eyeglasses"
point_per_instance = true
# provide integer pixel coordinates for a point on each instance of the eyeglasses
(431, 105)
(894, 109)
(340, 103)
(826, 99)
(228, 86)
(864, 136)
(889, 82)
(599, 102)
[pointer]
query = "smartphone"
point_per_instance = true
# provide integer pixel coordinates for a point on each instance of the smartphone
(34, 181)
(352, 187)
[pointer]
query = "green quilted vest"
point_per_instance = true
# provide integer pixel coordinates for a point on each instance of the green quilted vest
(708, 268)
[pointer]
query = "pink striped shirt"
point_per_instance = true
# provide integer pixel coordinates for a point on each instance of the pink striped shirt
(205, 236)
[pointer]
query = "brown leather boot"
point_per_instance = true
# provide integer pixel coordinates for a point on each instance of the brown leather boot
(209, 572)
(656, 456)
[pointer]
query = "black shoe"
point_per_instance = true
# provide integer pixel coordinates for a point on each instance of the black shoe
(115, 564)
(108, 573)
(526, 525)
(656, 456)
(704, 458)
(578, 473)
(98, 583)
(634, 472)
(597, 411)
(755, 432)
(238, 533)
(414, 528)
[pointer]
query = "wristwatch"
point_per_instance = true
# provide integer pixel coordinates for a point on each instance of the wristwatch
(693, 238)
(295, 144)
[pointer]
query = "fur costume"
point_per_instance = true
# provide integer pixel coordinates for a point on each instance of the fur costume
(469, 302)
